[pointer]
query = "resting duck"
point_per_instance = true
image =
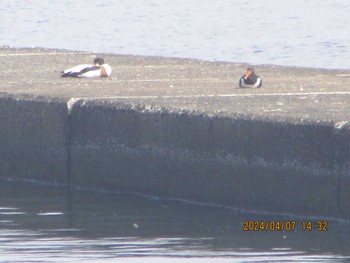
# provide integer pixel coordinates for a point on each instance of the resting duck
(99, 69)
(250, 79)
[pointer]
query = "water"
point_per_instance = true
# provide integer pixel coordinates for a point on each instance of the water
(45, 224)
(301, 32)
(41, 223)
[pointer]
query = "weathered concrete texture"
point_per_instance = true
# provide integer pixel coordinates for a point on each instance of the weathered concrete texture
(243, 162)
(180, 128)
(33, 138)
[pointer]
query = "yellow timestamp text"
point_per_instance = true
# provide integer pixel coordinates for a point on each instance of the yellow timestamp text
(285, 225)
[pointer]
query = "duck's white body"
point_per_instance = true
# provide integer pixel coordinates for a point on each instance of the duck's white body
(250, 79)
(88, 70)
(243, 84)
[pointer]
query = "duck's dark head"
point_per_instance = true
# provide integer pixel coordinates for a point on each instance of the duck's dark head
(250, 71)
(99, 61)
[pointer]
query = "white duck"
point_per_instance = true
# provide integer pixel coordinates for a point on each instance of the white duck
(99, 69)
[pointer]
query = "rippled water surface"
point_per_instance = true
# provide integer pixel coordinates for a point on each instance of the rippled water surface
(301, 32)
(46, 224)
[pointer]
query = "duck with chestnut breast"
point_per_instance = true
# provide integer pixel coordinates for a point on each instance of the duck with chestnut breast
(250, 79)
(98, 69)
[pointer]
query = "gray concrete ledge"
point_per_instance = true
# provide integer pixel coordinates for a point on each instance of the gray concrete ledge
(180, 128)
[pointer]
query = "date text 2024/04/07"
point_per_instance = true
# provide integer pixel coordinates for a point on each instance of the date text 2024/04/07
(285, 225)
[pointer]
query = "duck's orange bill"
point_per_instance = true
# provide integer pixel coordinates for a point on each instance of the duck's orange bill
(249, 72)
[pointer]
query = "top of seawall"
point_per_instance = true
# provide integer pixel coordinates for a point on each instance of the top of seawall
(181, 85)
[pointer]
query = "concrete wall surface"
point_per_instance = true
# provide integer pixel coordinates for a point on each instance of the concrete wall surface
(256, 164)
(179, 128)
(33, 138)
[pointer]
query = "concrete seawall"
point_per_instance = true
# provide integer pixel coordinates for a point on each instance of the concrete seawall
(33, 138)
(243, 162)
(181, 131)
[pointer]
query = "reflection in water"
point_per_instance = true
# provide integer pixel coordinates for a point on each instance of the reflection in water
(48, 224)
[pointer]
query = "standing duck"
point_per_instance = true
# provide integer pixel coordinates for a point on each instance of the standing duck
(98, 69)
(250, 79)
